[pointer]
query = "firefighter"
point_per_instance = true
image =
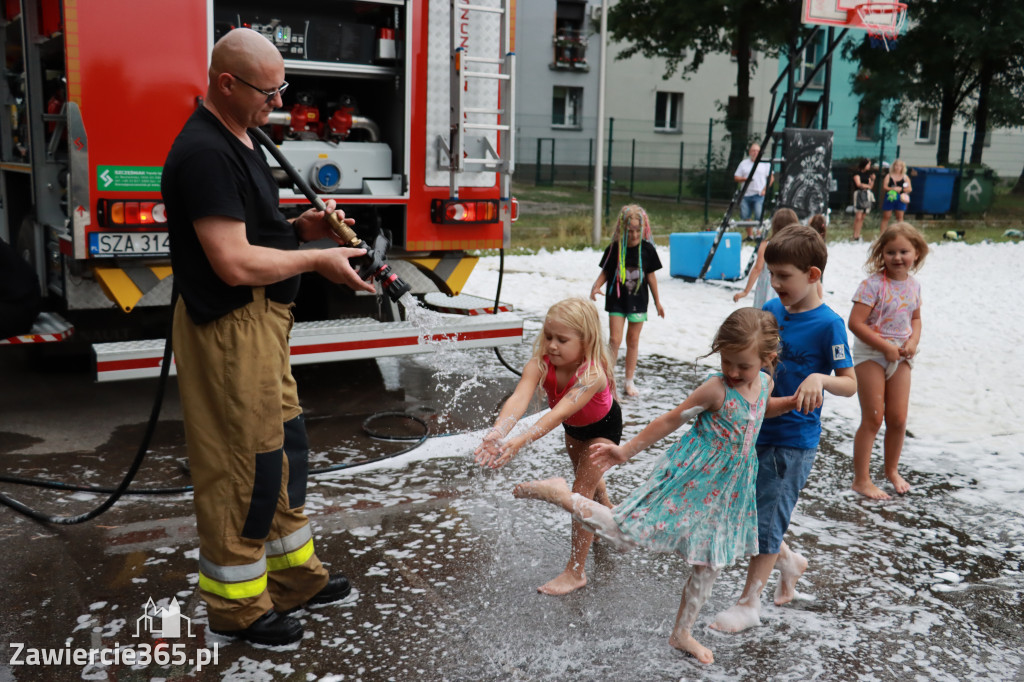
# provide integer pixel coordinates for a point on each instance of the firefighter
(237, 267)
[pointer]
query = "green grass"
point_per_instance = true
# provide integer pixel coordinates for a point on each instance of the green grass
(565, 217)
(1006, 206)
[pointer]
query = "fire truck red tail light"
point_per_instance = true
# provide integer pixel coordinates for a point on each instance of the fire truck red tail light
(460, 212)
(112, 213)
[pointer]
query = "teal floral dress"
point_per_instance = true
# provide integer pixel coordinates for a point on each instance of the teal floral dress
(700, 499)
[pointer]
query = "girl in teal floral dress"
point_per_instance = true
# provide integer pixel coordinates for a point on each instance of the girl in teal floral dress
(699, 500)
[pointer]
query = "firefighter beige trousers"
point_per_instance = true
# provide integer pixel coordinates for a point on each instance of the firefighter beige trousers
(247, 451)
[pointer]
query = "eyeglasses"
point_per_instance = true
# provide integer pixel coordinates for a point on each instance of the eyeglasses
(270, 95)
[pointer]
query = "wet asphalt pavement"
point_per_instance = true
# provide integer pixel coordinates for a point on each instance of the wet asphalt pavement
(445, 562)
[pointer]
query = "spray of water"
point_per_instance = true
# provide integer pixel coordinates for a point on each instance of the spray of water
(448, 360)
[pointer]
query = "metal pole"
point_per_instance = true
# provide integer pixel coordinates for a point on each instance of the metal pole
(826, 96)
(679, 187)
(590, 165)
(536, 172)
(602, 73)
(608, 170)
(960, 176)
(790, 80)
(707, 171)
(632, 168)
(553, 141)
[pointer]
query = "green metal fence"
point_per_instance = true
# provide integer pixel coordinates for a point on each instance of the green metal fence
(690, 163)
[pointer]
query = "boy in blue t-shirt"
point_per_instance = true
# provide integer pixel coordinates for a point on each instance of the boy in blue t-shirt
(814, 345)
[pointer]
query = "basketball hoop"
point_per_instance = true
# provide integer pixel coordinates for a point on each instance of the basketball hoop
(883, 20)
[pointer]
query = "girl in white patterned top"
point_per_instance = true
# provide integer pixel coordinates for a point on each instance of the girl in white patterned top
(886, 321)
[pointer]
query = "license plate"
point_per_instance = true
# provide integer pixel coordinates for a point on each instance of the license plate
(129, 244)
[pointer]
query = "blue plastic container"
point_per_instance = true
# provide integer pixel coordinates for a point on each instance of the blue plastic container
(689, 250)
(933, 190)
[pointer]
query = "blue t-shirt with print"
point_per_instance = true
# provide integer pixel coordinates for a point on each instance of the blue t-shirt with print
(813, 341)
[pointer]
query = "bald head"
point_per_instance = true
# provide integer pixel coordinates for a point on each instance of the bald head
(245, 52)
(244, 67)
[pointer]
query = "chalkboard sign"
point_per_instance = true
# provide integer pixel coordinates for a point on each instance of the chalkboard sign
(806, 171)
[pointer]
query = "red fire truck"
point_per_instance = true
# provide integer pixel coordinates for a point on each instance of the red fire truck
(401, 110)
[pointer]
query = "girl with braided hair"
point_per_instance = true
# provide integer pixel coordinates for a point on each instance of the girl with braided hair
(627, 274)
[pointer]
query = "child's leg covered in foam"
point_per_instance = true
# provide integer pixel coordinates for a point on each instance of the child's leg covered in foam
(697, 590)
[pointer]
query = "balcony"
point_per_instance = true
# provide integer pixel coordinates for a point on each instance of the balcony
(570, 49)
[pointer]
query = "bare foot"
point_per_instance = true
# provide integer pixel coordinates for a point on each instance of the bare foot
(564, 583)
(870, 490)
(549, 490)
(691, 646)
(631, 389)
(791, 566)
(737, 618)
(899, 483)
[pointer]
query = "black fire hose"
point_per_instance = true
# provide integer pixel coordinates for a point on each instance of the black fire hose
(494, 310)
(372, 264)
(140, 454)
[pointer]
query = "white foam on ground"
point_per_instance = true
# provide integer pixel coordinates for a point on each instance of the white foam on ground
(967, 399)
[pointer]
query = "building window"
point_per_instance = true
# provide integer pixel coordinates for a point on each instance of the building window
(809, 59)
(868, 122)
(570, 38)
(668, 112)
(925, 130)
(566, 107)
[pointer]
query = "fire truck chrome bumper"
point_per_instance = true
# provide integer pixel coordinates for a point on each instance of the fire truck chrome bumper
(331, 341)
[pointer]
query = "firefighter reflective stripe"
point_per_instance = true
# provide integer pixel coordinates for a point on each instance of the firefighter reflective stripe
(250, 588)
(126, 287)
(291, 550)
(448, 272)
(296, 558)
(233, 582)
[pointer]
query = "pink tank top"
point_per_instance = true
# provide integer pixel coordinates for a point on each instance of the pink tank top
(593, 411)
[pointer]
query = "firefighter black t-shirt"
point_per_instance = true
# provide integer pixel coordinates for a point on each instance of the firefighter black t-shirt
(209, 172)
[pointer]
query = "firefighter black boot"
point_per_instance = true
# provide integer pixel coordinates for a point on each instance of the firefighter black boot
(272, 629)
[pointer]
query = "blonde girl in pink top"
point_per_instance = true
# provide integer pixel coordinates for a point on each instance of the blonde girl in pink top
(571, 363)
(886, 324)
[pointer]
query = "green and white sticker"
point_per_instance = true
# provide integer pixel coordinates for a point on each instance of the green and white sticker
(128, 178)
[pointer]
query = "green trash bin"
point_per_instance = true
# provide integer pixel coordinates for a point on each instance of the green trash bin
(976, 190)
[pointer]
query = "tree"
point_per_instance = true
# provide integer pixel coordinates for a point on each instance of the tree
(956, 57)
(998, 35)
(933, 65)
(684, 32)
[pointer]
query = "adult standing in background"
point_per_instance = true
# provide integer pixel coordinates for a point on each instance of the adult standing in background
(753, 199)
(896, 189)
(863, 196)
(237, 265)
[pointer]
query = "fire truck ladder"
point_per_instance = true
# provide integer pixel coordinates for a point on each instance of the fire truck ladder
(504, 123)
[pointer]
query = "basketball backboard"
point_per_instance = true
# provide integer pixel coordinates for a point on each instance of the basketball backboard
(882, 19)
(846, 13)
(827, 12)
